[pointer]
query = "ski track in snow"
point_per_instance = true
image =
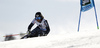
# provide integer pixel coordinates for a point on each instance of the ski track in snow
(71, 40)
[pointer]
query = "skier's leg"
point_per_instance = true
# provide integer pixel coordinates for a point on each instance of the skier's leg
(35, 32)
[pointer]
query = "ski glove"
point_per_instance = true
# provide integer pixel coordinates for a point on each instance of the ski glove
(28, 32)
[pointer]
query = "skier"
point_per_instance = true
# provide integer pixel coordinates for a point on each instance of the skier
(42, 28)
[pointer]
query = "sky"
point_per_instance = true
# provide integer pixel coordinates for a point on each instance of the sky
(62, 15)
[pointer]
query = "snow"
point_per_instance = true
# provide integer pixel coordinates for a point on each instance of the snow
(62, 35)
(83, 39)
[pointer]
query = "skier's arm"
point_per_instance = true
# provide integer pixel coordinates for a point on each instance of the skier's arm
(47, 27)
(30, 26)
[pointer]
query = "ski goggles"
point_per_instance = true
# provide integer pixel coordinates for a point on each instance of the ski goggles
(38, 18)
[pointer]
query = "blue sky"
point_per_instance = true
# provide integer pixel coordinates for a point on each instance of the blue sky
(62, 15)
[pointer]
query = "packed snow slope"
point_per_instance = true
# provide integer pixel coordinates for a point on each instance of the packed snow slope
(83, 39)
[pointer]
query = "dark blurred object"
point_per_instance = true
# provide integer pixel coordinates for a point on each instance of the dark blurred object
(9, 37)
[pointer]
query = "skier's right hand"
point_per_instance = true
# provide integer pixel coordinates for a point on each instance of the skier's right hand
(28, 32)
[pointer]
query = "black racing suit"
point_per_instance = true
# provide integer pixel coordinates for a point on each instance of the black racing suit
(42, 29)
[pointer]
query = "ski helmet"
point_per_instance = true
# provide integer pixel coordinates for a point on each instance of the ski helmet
(39, 16)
